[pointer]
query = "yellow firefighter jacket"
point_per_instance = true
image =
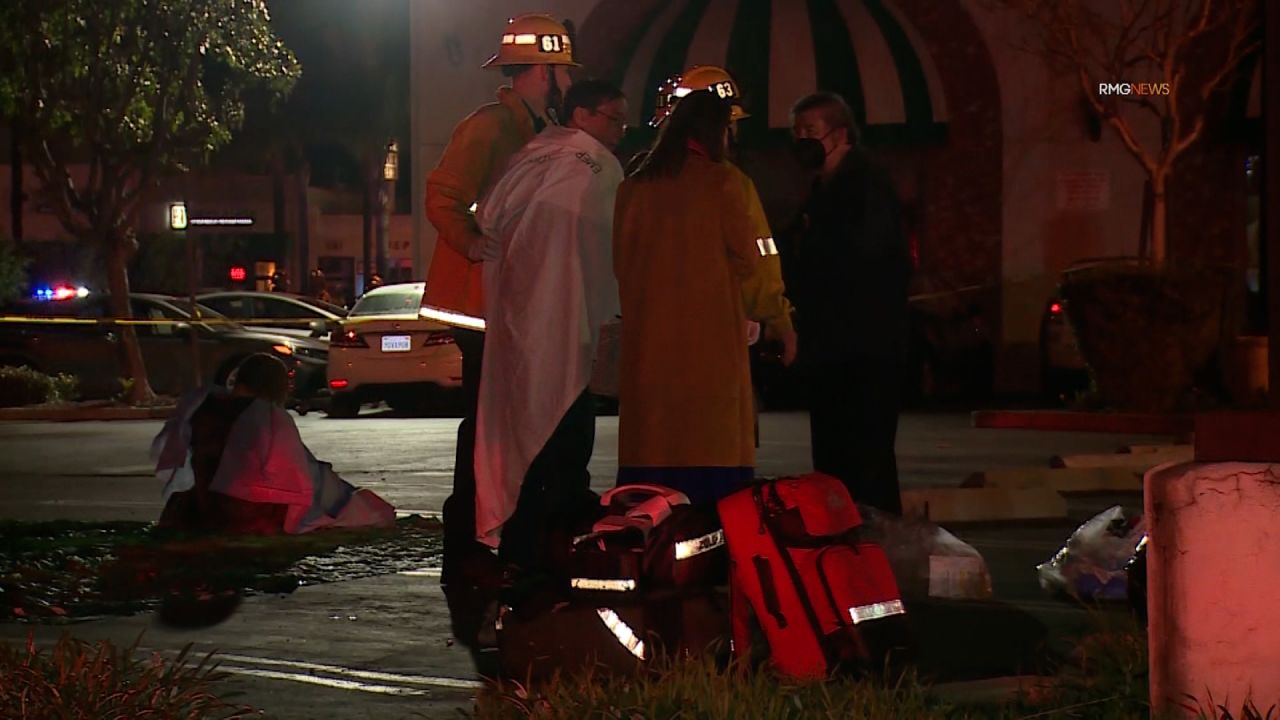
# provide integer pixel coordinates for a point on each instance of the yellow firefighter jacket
(762, 293)
(682, 249)
(472, 162)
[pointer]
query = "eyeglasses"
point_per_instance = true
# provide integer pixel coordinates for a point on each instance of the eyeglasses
(618, 120)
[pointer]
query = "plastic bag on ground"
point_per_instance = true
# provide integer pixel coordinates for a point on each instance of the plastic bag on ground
(1092, 565)
(927, 560)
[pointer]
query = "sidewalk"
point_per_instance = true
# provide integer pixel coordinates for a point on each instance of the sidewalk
(80, 412)
(374, 648)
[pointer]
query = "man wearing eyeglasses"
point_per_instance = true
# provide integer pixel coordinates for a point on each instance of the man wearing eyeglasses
(548, 288)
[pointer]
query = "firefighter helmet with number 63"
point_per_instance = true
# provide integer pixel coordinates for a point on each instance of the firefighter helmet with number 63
(697, 78)
(534, 40)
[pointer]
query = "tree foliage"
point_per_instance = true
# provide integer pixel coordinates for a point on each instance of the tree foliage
(135, 88)
(114, 94)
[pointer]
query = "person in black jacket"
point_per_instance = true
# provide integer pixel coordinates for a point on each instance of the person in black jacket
(850, 265)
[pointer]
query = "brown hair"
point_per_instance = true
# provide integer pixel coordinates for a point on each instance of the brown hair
(701, 117)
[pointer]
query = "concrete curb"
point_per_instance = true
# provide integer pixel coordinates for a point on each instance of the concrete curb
(1060, 480)
(1072, 421)
(983, 504)
(80, 414)
(1144, 460)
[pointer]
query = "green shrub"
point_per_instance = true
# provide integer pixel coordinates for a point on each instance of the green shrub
(79, 680)
(23, 386)
(65, 387)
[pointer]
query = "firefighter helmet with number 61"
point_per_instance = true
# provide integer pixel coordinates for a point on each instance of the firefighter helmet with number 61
(534, 40)
(698, 78)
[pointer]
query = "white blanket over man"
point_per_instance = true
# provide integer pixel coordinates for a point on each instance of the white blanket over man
(265, 461)
(547, 294)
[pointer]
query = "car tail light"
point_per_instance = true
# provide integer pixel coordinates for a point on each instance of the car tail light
(338, 384)
(347, 339)
(438, 338)
(1055, 308)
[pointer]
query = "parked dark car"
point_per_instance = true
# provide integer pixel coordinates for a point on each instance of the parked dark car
(950, 356)
(296, 315)
(1063, 372)
(92, 353)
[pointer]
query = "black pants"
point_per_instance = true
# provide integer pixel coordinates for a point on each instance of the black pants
(460, 508)
(853, 425)
(556, 489)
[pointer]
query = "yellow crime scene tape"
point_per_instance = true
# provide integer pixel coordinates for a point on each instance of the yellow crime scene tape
(440, 315)
(443, 317)
(59, 320)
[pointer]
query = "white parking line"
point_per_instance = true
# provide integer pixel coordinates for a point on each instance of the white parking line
(421, 572)
(326, 682)
(401, 678)
(386, 683)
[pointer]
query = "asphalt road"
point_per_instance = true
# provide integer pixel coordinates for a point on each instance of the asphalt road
(100, 470)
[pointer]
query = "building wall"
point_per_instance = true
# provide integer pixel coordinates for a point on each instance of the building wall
(451, 40)
(1065, 195)
(1018, 193)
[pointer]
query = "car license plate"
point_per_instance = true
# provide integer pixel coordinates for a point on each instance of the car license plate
(396, 343)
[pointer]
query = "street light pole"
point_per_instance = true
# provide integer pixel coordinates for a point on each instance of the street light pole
(386, 198)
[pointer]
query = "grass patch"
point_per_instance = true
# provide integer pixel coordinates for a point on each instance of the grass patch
(76, 679)
(69, 570)
(1106, 680)
(696, 688)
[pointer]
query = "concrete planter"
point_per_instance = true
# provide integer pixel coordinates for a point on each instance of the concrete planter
(1145, 331)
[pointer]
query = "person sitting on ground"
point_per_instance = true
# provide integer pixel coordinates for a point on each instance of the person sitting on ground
(235, 462)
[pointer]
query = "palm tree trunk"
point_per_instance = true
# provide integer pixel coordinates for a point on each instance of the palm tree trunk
(303, 179)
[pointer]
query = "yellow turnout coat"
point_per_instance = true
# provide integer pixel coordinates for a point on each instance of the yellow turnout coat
(472, 162)
(683, 249)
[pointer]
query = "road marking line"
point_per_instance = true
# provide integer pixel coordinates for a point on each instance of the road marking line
(327, 682)
(402, 678)
(421, 572)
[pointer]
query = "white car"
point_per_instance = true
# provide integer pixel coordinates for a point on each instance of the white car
(386, 351)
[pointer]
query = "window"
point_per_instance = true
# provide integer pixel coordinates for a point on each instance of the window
(285, 310)
(233, 307)
(405, 300)
(144, 310)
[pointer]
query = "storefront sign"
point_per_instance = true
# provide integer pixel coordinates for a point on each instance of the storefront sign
(178, 216)
(218, 221)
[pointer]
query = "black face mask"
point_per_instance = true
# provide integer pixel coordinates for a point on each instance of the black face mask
(809, 152)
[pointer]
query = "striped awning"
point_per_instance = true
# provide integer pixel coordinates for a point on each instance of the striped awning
(781, 50)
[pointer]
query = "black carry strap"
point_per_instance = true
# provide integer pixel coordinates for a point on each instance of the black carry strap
(769, 589)
(826, 587)
(802, 595)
